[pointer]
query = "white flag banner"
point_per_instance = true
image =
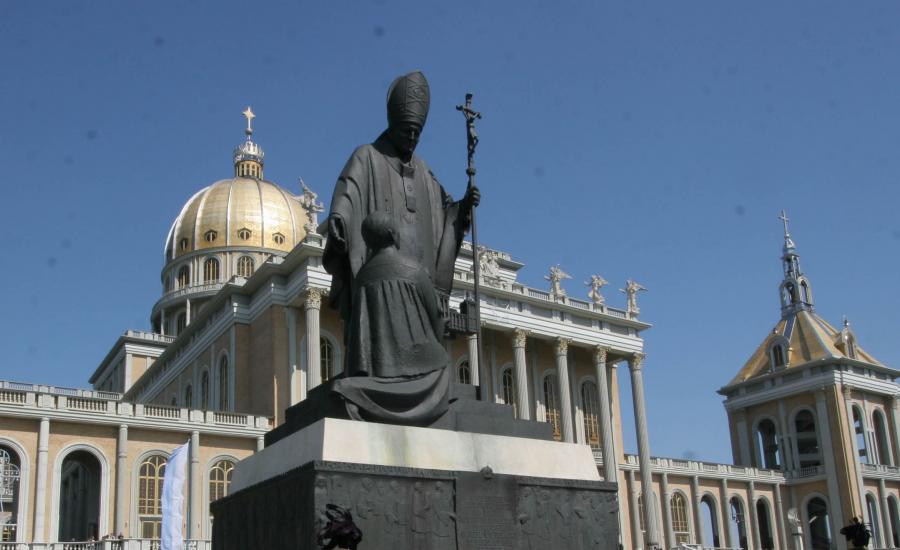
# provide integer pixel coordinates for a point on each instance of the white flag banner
(172, 535)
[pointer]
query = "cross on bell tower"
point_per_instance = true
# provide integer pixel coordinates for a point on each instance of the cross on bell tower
(795, 289)
(248, 156)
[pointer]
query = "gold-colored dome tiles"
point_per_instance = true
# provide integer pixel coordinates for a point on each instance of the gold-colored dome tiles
(212, 217)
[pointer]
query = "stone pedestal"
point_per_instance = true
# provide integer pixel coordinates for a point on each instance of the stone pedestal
(418, 488)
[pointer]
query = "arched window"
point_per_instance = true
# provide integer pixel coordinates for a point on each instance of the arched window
(680, 523)
(220, 479)
(326, 359)
(804, 292)
(278, 238)
(245, 266)
(223, 383)
(551, 405)
(188, 397)
(589, 405)
(767, 443)
(210, 270)
(738, 523)
(463, 374)
(851, 347)
(150, 482)
(872, 517)
(184, 276)
(819, 524)
(883, 448)
(894, 519)
(764, 519)
(79, 497)
(807, 439)
(244, 234)
(204, 390)
(508, 386)
(778, 356)
(710, 521)
(10, 477)
(210, 236)
(180, 322)
(859, 429)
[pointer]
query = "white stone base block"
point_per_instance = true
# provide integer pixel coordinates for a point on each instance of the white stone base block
(356, 442)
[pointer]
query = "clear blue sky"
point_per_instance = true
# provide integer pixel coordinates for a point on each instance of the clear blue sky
(649, 140)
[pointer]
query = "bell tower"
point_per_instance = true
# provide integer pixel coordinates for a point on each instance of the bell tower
(248, 156)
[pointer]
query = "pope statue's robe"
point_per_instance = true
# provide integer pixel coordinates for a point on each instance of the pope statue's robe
(429, 230)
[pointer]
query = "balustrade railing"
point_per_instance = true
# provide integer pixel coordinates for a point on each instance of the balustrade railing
(111, 544)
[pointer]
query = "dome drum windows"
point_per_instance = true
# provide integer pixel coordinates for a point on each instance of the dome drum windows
(211, 270)
(211, 236)
(245, 266)
(183, 244)
(244, 234)
(278, 238)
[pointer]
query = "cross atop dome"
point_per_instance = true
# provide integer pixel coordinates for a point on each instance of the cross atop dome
(248, 156)
(248, 114)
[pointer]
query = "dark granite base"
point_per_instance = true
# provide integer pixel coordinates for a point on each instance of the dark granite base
(409, 509)
(466, 414)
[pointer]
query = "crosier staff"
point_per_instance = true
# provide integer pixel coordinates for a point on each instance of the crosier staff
(472, 142)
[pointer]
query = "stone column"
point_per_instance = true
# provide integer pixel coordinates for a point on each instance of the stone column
(699, 538)
(751, 513)
(667, 510)
(606, 432)
(162, 321)
(565, 393)
(895, 425)
(743, 439)
(260, 443)
(313, 304)
(121, 478)
(643, 439)
(823, 426)
(40, 494)
(724, 506)
(519, 338)
(472, 346)
(637, 539)
(787, 446)
(779, 518)
(295, 379)
(888, 533)
(194, 528)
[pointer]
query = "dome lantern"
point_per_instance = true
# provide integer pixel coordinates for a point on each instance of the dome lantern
(248, 156)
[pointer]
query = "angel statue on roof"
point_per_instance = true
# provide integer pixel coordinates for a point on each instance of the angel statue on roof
(556, 277)
(596, 283)
(631, 289)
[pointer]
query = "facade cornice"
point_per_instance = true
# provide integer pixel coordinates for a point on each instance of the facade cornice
(808, 382)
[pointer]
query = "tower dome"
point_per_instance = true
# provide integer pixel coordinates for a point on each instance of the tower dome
(226, 230)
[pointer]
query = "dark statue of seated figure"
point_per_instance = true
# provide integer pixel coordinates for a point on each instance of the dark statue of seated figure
(385, 284)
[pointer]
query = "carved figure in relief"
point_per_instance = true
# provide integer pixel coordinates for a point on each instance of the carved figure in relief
(631, 290)
(442, 508)
(421, 516)
(528, 511)
(556, 277)
(596, 283)
(490, 267)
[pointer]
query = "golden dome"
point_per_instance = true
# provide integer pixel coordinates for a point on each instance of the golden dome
(239, 212)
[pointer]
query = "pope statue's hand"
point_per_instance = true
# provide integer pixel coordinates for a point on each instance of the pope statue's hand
(336, 234)
(473, 197)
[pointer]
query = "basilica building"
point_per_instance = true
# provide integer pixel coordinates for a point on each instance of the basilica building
(242, 330)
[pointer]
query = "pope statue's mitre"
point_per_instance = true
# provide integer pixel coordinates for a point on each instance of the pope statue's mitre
(408, 99)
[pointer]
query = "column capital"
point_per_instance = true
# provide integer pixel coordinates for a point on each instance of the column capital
(562, 345)
(846, 390)
(519, 337)
(637, 361)
(895, 400)
(312, 298)
(600, 354)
